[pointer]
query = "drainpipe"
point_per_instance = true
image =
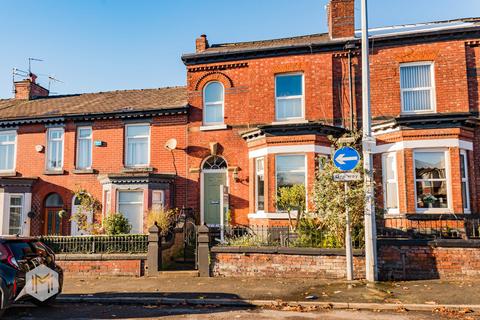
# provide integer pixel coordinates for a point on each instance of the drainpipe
(350, 47)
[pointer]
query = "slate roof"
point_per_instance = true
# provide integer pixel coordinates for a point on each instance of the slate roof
(95, 103)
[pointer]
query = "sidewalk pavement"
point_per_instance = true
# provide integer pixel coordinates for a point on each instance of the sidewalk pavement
(426, 294)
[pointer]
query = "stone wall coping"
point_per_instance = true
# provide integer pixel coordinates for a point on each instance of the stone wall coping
(455, 243)
(285, 250)
(403, 242)
(99, 256)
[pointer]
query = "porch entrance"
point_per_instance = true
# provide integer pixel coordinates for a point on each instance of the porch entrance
(214, 175)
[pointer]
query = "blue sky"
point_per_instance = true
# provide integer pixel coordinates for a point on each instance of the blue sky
(102, 45)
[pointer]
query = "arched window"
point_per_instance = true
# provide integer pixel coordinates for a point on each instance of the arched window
(54, 201)
(213, 102)
(214, 163)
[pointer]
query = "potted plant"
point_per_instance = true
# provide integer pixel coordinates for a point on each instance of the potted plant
(429, 199)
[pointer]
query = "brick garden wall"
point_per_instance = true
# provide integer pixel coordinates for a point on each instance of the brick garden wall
(93, 265)
(283, 263)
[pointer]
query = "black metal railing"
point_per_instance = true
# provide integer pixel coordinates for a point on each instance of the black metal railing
(128, 243)
(401, 227)
(283, 236)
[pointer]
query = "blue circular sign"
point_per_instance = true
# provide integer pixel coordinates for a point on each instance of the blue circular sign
(346, 158)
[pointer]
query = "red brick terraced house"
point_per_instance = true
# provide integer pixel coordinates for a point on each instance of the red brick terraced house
(110, 144)
(268, 107)
(254, 116)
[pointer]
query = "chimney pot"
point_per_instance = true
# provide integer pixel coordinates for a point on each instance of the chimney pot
(201, 43)
(341, 19)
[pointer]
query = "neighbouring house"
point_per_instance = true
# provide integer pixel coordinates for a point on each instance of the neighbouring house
(254, 116)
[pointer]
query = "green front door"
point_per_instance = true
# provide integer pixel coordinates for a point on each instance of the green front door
(211, 196)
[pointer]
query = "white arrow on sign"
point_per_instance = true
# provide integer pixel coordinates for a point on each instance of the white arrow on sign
(341, 158)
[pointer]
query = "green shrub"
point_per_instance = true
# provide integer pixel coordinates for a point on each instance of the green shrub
(116, 223)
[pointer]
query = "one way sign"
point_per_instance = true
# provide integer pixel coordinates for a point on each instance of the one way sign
(346, 158)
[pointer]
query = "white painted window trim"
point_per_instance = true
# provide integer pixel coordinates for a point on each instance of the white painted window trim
(214, 103)
(432, 88)
(15, 145)
(466, 209)
(305, 173)
(385, 156)
(448, 180)
(78, 147)
(22, 210)
(213, 127)
(272, 215)
(62, 150)
(258, 173)
(301, 148)
(426, 143)
(148, 144)
(302, 96)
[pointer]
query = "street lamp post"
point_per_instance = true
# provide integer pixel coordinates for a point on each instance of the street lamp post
(368, 143)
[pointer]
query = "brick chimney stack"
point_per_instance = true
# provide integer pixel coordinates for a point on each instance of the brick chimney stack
(28, 89)
(341, 19)
(201, 43)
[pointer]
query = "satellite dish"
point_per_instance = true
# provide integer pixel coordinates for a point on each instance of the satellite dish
(171, 144)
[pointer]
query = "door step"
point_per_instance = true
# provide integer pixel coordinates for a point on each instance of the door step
(178, 274)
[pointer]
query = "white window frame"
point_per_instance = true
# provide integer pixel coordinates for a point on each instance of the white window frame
(385, 156)
(432, 88)
(448, 179)
(257, 173)
(305, 175)
(62, 150)
(78, 147)
(142, 212)
(22, 210)
(148, 145)
(465, 180)
(215, 103)
(277, 118)
(8, 170)
(162, 198)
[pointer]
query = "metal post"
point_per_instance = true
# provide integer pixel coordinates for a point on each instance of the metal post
(348, 237)
(367, 145)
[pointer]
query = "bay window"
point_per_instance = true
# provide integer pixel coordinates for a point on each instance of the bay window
(137, 145)
(84, 148)
(289, 96)
(7, 151)
(158, 200)
(390, 182)
(431, 180)
(259, 185)
(213, 103)
(417, 87)
(464, 175)
(55, 148)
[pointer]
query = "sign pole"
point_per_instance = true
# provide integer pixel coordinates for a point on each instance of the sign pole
(367, 144)
(348, 237)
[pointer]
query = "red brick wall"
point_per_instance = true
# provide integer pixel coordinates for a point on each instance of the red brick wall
(94, 268)
(284, 265)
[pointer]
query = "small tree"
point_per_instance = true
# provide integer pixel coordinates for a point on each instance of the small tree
(116, 223)
(292, 198)
(164, 219)
(329, 202)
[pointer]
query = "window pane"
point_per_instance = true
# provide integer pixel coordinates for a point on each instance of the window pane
(290, 170)
(417, 100)
(7, 137)
(415, 76)
(390, 168)
(432, 194)
(214, 92)
(391, 195)
(260, 192)
(465, 195)
(15, 219)
(462, 166)
(133, 131)
(288, 85)
(84, 132)
(7, 156)
(430, 165)
(137, 151)
(213, 113)
(130, 196)
(84, 153)
(289, 108)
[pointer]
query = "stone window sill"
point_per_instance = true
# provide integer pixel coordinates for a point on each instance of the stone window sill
(137, 170)
(8, 174)
(293, 121)
(214, 127)
(54, 172)
(84, 171)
